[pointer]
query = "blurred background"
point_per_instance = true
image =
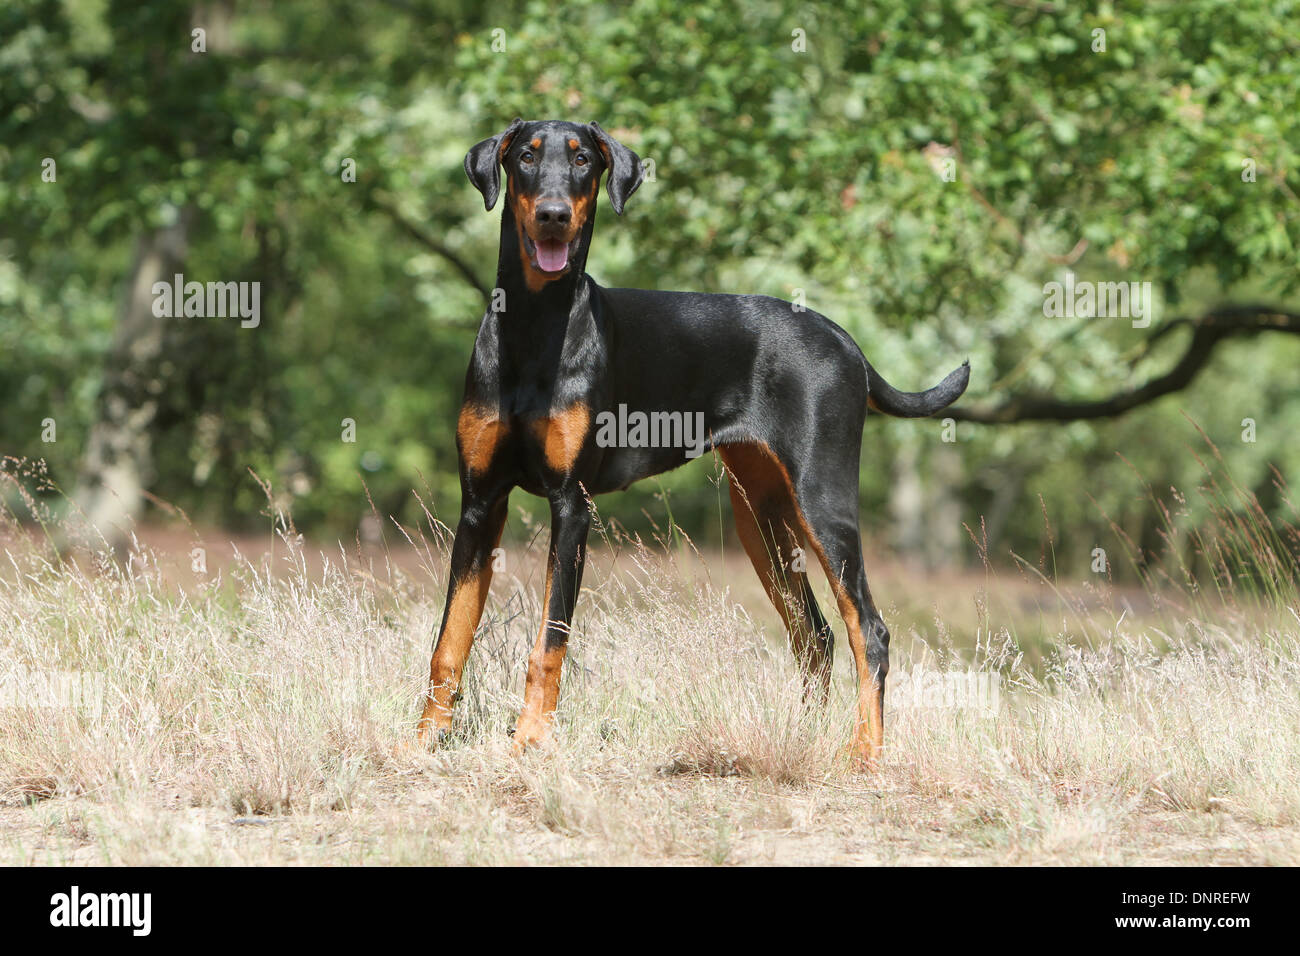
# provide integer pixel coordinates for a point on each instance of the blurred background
(915, 171)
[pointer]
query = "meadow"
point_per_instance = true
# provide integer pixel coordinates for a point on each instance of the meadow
(256, 713)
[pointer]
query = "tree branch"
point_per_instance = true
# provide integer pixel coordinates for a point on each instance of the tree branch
(1238, 321)
(432, 243)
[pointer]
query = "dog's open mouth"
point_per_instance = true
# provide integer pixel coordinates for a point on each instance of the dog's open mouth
(549, 255)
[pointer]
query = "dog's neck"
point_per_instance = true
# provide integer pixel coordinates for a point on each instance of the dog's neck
(534, 321)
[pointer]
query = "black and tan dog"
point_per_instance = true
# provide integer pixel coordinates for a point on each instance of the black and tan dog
(783, 394)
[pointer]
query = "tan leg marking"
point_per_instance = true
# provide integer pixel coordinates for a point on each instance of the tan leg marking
(542, 688)
(465, 602)
(869, 736)
(464, 609)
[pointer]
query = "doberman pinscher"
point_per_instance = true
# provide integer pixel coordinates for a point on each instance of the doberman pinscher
(783, 393)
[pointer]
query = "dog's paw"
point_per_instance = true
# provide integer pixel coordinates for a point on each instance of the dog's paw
(529, 732)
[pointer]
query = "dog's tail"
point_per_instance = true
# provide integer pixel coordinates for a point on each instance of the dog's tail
(883, 397)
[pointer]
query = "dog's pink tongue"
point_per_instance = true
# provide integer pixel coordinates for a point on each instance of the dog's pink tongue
(552, 254)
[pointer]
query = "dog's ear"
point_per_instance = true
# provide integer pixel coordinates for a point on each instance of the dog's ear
(625, 172)
(483, 162)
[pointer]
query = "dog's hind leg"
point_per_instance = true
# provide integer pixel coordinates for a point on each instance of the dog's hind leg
(769, 526)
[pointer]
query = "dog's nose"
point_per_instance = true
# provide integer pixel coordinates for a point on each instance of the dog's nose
(554, 211)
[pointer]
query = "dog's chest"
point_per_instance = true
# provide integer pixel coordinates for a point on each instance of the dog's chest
(537, 446)
(557, 438)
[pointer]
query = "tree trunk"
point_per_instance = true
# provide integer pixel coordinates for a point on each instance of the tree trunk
(907, 501)
(943, 507)
(116, 468)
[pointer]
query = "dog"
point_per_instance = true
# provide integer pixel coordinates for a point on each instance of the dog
(784, 394)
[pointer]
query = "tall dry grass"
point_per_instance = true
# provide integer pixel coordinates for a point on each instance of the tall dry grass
(275, 691)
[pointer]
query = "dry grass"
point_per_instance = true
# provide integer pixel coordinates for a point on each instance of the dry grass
(255, 718)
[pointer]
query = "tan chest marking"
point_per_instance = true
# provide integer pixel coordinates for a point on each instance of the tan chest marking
(478, 434)
(562, 436)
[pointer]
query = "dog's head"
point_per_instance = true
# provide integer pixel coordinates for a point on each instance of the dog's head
(553, 172)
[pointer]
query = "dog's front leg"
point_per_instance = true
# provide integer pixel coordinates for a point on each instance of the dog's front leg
(482, 519)
(570, 522)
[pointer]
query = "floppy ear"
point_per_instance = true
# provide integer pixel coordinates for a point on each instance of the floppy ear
(625, 172)
(483, 161)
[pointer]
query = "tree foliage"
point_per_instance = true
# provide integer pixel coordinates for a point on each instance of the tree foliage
(916, 171)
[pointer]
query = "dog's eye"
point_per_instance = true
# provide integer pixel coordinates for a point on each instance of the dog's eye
(526, 157)
(580, 159)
